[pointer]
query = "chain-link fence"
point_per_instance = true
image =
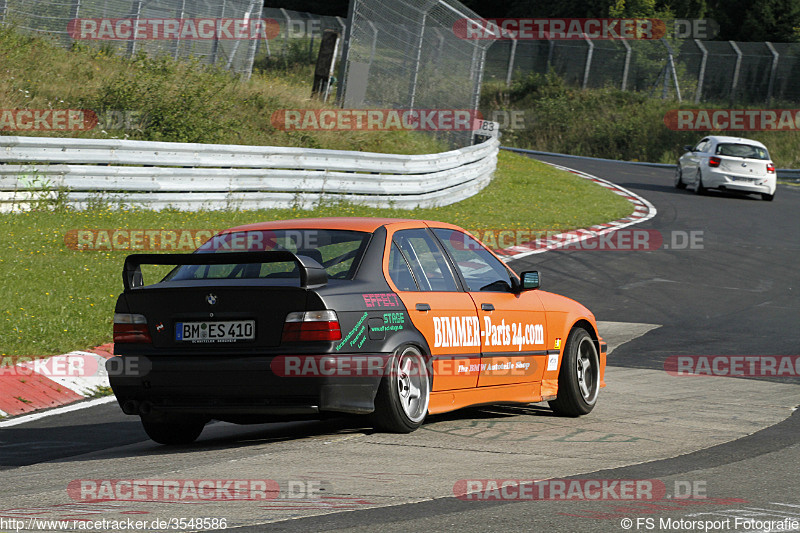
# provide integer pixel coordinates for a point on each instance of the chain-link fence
(725, 71)
(58, 19)
(404, 54)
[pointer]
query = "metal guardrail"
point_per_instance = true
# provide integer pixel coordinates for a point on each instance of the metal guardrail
(193, 176)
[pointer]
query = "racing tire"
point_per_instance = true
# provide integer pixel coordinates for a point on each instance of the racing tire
(404, 392)
(767, 197)
(679, 184)
(579, 377)
(698, 187)
(164, 432)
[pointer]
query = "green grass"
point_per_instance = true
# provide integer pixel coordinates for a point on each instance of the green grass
(56, 299)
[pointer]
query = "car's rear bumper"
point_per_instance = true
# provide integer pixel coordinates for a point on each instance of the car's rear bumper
(221, 387)
(733, 182)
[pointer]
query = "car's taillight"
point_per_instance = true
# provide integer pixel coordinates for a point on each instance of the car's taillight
(131, 328)
(770, 168)
(714, 161)
(311, 326)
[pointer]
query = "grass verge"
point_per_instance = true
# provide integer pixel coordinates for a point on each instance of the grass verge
(57, 299)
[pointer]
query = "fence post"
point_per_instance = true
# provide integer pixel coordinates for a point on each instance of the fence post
(773, 72)
(3, 9)
(551, 45)
(511, 57)
(627, 66)
(74, 12)
(588, 66)
(217, 31)
(253, 48)
(412, 90)
(701, 76)
(286, 32)
(351, 21)
(136, 9)
(237, 42)
(735, 80)
(671, 66)
(181, 13)
(343, 26)
(374, 42)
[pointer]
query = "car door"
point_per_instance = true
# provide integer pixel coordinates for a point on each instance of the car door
(512, 323)
(437, 306)
(690, 161)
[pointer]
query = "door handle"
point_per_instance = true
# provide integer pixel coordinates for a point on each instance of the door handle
(423, 307)
(487, 307)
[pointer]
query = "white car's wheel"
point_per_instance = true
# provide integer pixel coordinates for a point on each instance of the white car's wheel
(679, 184)
(698, 186)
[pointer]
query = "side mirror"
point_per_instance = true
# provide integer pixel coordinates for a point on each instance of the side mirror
(530, 280)
(688, 148)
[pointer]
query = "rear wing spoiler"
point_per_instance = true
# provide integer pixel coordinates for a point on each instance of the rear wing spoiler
(312, 274)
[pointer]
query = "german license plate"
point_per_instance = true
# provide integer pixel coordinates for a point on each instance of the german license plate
(231, 331)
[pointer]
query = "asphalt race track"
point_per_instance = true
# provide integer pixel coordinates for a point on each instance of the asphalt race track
(731, 444)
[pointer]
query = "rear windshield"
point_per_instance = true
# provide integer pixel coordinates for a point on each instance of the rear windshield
(339, 251)
(742, 150)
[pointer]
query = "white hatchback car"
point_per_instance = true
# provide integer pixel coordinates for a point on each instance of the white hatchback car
(729, 164)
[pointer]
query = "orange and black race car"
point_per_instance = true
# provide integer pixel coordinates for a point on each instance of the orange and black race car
(389, 318)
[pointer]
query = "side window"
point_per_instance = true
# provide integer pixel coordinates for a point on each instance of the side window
(481, 270)
(427, 262)
(702, 146)
(399, 271)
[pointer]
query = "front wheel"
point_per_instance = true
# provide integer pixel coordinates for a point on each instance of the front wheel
(403, 395)
(579, 377)
(679, 184)
(767, 197)
(168, 432)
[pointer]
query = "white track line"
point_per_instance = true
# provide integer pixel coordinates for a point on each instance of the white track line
(56, 411)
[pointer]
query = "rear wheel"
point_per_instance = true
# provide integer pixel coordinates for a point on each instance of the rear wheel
(403, 395)
(767, 197)
(579, 377)
(698, 187)
(679, 184)
(168, 432)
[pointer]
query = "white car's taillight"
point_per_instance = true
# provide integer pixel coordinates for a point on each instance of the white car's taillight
(311, 326)
(770, 168)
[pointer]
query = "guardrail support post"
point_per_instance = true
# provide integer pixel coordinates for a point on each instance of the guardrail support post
(773, 71)
(701, 76)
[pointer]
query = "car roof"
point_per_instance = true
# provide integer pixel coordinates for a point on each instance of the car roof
(740, 140)
(368, 224)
